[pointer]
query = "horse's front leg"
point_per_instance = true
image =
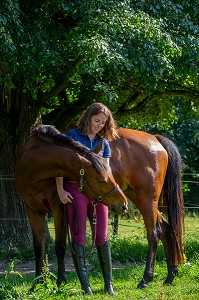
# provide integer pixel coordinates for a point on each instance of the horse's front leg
(60, 242)
(37, 223)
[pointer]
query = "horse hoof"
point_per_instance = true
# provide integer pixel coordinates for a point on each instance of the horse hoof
(168, 282)
(31, 290)
(61, 282)
(142, 285)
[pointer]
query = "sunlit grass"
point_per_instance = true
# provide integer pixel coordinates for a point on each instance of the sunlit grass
(125, 282)
(129, 250)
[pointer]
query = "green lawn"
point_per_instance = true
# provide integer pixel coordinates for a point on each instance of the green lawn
(128, 251)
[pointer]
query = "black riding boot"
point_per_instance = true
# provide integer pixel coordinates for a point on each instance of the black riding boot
(80, 267)
(104, 254)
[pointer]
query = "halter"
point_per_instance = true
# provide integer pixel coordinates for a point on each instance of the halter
(98, 198)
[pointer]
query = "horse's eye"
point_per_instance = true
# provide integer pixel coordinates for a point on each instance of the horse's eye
(102, 180)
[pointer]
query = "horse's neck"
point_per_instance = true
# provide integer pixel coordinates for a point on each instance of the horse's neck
(47, 159)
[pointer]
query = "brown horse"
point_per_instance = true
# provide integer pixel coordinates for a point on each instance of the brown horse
(148, 169)
(48, 154)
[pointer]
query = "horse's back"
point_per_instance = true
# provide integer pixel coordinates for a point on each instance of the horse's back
(137, 146)
(141, 139)
(137, 158)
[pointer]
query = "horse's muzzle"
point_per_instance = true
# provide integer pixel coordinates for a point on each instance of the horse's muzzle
(124, 209)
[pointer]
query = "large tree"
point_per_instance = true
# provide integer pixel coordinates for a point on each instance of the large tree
(57, 57)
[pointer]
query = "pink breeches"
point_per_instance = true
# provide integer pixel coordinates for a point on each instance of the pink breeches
(79, 210)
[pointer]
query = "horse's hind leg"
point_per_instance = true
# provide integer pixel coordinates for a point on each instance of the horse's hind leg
(37, 223)
(172, 269)
(153, 236)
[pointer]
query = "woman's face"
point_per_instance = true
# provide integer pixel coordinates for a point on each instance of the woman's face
(97, 122)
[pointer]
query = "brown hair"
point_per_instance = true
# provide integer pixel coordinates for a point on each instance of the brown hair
(108, 131)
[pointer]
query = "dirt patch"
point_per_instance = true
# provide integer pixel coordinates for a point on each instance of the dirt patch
(29, 267)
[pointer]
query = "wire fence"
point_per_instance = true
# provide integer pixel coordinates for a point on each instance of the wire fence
(115, 222)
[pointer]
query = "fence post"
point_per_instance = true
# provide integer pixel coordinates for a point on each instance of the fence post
(115, 225)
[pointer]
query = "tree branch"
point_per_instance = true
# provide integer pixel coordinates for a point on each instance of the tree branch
(139, 100)
(63, 84)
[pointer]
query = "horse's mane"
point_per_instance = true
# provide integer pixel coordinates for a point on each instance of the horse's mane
(50, 131)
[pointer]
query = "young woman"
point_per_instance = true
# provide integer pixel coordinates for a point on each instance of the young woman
(95, 124)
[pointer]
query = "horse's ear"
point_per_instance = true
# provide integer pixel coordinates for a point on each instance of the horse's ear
(98, 148)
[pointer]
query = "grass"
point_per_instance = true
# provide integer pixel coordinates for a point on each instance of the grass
(125, 283)
(129, 247)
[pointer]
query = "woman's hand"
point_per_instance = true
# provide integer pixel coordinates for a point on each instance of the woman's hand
(64, 196)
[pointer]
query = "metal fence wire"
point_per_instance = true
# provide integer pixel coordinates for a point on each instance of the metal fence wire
(191, 207)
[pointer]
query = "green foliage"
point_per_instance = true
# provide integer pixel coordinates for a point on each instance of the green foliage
(131, 55)
(48, 288)
(134, 43)
(124, 47)
(7, 290)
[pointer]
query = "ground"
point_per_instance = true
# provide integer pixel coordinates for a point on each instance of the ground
(29, 267)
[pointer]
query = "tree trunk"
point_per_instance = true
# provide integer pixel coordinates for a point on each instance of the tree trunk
(18, 113)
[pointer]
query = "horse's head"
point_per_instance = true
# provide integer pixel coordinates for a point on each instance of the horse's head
(99, 184)
(62, 160)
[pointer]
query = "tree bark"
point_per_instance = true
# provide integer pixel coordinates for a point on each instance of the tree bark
(17, 114)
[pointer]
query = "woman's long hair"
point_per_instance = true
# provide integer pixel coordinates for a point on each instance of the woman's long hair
(108, 131)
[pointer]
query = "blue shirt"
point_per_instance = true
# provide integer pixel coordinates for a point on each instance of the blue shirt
(81, 137)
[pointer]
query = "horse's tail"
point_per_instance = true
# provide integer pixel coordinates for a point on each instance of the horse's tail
(173, 200)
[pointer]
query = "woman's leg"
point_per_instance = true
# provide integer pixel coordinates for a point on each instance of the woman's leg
(102, 243)
(77, 214)
(102, 222)
(80, 267)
